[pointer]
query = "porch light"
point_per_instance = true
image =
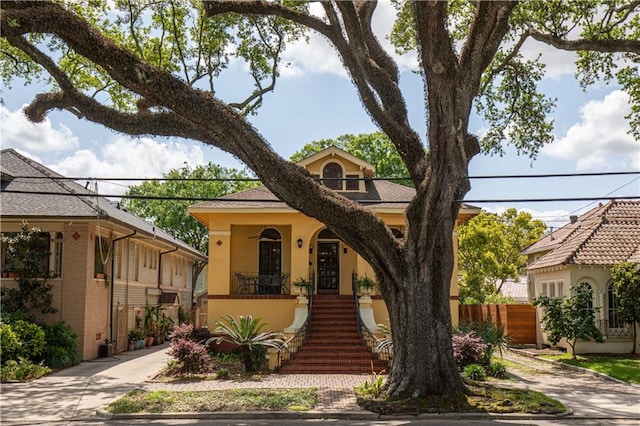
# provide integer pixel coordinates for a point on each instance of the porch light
(299, 242)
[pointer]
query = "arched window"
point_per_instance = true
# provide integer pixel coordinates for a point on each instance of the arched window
(612, 305)
(332, 175)
(270, 252)
(327, 234)
(588, 287)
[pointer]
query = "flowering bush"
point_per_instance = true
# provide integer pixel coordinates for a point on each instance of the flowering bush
(468, 349)
(191, 357)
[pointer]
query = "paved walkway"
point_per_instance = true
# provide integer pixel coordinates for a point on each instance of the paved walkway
(587, 393)
(79, 392)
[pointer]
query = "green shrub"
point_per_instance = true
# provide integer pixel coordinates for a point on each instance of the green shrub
(373, 388)
(474, 372)
(9, 343)
(222, 374)
(61, 349)
(31, 338)
(22, 370)
(497, 369)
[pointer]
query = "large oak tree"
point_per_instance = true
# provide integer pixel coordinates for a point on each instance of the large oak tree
(110, 67)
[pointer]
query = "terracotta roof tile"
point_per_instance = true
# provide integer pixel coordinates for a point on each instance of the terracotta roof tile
(605, 235)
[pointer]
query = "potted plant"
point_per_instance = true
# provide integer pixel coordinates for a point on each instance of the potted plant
(151, 323)
(136, 336)
(304, 286)
(366, 285)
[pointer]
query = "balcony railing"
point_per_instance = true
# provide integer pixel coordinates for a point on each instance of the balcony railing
(252, 283)
(616, 331)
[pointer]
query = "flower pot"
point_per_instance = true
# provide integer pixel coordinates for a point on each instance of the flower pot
(131, 346)
(150, 341)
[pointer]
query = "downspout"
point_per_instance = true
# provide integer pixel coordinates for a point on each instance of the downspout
(160, 271)
(113, 281)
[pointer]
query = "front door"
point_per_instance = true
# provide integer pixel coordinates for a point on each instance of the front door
(328, 269)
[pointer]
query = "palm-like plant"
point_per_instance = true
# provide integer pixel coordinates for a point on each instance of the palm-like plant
(247, 334)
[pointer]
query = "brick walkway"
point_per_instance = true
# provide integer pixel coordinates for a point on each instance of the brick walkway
(335, 391)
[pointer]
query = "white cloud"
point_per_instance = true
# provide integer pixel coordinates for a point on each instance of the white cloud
(600, 141)
(20, 133)
(318, 56)
(127, 157)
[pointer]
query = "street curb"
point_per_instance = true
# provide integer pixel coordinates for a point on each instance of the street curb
(524, 352)
(333, 415)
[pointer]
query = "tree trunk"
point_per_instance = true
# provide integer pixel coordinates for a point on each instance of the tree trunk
(420, 318)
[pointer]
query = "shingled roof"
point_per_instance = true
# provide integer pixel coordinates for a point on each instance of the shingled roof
(379, 194)
(606, 235)
(31, 190)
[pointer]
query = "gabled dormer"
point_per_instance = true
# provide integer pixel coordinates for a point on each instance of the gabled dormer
(338, 170)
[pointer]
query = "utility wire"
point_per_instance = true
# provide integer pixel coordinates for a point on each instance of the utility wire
(478, 201)
(164, 179)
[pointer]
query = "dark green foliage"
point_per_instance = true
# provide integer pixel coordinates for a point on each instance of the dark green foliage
(61, 349)
(32, 340)
(22, 370)
(26, 251)
(474, 372)
(572, 318)
(626, 278)
(247, 333)
(497, 370)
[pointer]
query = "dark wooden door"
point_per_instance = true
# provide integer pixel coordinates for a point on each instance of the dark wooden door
(328, 268)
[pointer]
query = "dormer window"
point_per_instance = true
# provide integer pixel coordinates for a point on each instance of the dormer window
(332, 176)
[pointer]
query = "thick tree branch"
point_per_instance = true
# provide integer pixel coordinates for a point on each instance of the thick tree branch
(489, 27)
(595, 45)
(371, 71)
(207, 117)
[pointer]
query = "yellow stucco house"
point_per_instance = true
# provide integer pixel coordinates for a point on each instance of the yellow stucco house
(259, 247)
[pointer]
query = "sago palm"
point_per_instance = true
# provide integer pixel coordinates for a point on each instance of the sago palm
(247, 334)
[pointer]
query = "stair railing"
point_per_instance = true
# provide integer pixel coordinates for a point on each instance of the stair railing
(300, 337)
(381, 351)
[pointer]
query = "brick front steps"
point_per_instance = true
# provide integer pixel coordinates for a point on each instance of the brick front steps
(333, 345)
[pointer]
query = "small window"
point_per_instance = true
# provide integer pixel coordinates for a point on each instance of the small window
(332, 175)
(612, 307)
(353, 183)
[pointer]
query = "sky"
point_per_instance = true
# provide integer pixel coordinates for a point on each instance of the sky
(314, 99)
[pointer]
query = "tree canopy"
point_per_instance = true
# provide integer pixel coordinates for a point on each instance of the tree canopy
(489, 248)
(169, 209)
(626, 282)
(150, 67)
(169, 212)
(571, 318)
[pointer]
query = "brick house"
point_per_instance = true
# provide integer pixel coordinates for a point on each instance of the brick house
(111, 264)
(582, 253)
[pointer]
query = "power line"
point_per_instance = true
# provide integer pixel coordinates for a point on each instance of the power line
(400, 178)
(166, 198)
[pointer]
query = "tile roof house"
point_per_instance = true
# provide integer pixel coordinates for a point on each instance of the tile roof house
(583, 251)
(259, 247)
(111, 263)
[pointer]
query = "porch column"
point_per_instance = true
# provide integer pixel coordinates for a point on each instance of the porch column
(299, 255)
(219, 277)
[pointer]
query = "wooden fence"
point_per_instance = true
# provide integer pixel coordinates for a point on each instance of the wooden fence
(519, 321)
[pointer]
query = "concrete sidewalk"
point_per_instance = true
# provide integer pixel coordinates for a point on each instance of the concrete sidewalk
(78, 393)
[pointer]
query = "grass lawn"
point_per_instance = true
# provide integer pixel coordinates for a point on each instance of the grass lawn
(212, 401)
(621, 367)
